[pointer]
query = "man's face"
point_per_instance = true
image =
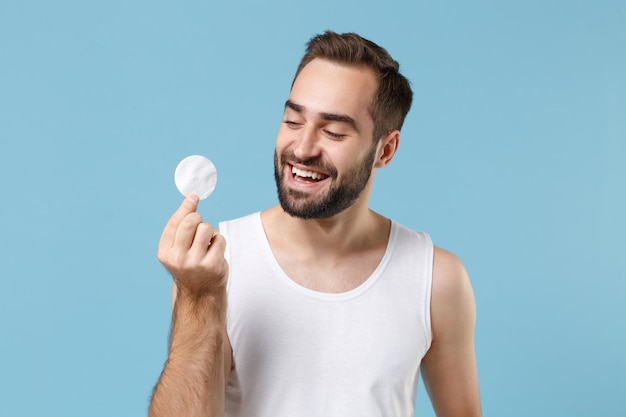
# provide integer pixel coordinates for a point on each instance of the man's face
(325, 150)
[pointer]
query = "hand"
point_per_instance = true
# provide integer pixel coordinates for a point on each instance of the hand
(193, 251)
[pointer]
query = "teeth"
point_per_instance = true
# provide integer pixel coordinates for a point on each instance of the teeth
(307, 174)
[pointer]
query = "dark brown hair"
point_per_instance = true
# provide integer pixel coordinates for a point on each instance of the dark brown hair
(394, 96)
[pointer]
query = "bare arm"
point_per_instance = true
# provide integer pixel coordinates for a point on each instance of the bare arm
(193, 380)
(449, 368)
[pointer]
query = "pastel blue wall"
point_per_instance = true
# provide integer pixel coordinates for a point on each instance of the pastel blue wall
(513, 156)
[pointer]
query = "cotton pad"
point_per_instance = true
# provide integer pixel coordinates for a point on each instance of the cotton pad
(196, 174)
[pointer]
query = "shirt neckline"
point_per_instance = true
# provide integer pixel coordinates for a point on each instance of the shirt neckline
(346, 295)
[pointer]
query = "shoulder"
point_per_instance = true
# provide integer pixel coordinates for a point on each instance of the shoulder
(240, 232)
(449, 367)
(452, 305)
(244, 221)
(449, 273)
(405, 235)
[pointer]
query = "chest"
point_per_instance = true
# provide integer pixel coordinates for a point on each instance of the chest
(332, 275)
(351, 352)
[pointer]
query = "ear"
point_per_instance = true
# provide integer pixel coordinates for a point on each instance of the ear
(387, 149)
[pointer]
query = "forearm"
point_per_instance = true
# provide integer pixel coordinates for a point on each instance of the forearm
(192, 383)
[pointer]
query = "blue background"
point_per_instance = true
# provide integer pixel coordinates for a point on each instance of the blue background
(513, 157)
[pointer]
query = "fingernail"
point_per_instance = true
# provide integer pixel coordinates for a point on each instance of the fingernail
(192, 198)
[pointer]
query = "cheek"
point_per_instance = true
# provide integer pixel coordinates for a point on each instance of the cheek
(361, 159)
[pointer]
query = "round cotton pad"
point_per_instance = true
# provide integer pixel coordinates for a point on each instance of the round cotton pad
(196, 174)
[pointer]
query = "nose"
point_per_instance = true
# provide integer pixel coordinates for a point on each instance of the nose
(306, 144)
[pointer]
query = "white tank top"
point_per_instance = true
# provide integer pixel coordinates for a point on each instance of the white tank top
(301, 353)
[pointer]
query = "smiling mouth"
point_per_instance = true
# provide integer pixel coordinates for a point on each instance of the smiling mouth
(307, 176)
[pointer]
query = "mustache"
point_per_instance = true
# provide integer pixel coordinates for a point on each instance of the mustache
(317, 163)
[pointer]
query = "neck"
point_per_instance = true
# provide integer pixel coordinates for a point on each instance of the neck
(354, 229)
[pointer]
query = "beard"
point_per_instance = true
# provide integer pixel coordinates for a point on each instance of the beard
(339, 196)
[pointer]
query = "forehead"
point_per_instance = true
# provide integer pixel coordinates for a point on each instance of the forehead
(327, 87)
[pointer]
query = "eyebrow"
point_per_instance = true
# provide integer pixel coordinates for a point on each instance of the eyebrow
(331, 117)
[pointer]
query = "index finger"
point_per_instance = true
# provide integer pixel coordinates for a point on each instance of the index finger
(189, 205)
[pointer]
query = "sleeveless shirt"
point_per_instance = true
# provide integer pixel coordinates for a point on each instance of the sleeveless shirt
(300, 353)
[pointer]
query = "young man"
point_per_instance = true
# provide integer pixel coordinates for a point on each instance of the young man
(319, 306)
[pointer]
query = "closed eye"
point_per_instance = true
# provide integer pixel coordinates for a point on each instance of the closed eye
(334, 135)
(291, 123)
